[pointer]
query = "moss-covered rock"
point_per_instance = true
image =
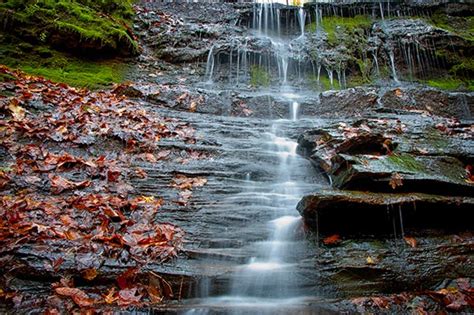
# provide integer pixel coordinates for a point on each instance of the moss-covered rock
(79, 26)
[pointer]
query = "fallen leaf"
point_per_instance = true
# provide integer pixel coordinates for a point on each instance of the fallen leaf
(89, 274)
(128, 297)
(78, 296)
(370, 261)
(410, 241)
(60, 184)
(332, 240)
(110, 297)
(396, 180)
(16, 110)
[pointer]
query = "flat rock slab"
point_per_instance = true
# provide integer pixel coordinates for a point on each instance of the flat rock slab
(388, 154)
(356, 212)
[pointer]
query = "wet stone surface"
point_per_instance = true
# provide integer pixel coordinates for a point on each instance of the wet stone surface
(230, 184)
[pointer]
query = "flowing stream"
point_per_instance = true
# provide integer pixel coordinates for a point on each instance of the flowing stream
(268, 282)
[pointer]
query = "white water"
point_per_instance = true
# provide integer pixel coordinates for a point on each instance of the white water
(268, 279)
(301, 19)
(210, 65)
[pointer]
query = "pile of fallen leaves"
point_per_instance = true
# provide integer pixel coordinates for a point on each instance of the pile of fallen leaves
(458, 297)
(65, 187)
(40, 109)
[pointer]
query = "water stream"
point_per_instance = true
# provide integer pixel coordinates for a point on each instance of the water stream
(268, 283)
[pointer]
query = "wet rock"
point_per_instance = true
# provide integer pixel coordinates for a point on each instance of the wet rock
(441, 103)
(392, 155)
(354, 100)
(356, 212)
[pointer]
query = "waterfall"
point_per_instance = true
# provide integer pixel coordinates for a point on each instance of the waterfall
(301, 19)
(294, 110)
(210, 65)
(392, 65)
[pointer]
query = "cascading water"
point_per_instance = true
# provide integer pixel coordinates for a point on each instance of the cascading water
(268, 280)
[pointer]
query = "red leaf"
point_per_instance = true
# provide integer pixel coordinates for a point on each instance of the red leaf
(125, 280)
(332, 240)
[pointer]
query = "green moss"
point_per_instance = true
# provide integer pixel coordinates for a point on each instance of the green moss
(324, 83)
(404, 162)
(62, 67)
(94, 24)
(259, 77)
(336, 26)
(450, 84)
(462, 26)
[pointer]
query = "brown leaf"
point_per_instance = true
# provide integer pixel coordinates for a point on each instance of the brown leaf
(126, 279)
(60, 184)
(410, 241)
(141, 173)
(396, 180)
(89, 274)
(16, 110)
(193, 106)
(78, 296)
(150, 158)
(113, 174)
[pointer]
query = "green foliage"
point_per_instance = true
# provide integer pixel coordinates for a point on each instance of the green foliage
(259, 77)
(98, 24)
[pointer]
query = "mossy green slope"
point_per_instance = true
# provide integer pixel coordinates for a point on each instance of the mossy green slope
(76, 42)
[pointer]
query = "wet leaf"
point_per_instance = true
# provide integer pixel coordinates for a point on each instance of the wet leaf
(60, 184)
(78, 296)
(410, 241)
(89, 274)
(16, 110)
(396, 181)
(126, 279)
(370, 261)
(129, 297)
(111, 296)
(332, 240)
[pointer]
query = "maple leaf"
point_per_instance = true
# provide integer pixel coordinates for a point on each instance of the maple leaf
(396, 180)
(78, 296)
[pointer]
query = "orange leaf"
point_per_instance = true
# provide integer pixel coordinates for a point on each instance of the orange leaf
(89, 274)
(332, 240)
(410, 241)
